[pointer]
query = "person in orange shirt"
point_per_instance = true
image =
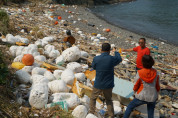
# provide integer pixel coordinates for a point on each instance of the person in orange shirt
(69, 40)
(141, 51)
(146, 88)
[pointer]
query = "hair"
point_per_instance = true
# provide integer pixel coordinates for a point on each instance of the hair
(106, 47)
(143, 39)
(68, 32)
(147, 61)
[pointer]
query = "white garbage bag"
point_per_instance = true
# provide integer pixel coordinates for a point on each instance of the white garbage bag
(13, 50)
(18, 58)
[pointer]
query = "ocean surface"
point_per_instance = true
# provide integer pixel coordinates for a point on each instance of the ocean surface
(154, 18)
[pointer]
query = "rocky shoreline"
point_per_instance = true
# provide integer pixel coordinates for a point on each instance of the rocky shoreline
(89, 31)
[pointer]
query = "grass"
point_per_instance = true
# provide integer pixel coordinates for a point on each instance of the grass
(4, 22)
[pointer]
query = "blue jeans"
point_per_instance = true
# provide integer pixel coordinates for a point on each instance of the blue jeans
(136, 102)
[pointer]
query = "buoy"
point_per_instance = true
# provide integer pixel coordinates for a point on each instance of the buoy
(56, 22)
(59, 17)
(108, 30)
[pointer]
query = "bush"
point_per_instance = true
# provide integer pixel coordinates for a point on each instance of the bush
(3, 70)
(4, 22)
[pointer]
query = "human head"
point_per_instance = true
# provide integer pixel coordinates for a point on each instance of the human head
(68, 32)
(142, 42)
(147, 61)
(106, 47)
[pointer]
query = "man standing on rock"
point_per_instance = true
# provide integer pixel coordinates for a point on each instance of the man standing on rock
(104, 80)
(141, 51)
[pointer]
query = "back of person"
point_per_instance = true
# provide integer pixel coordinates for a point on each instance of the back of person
(148, 89)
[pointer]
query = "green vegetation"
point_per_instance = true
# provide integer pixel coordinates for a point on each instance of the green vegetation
(3, 70)
(4, 22)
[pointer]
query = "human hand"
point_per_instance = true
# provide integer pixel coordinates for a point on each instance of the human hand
(114, 49)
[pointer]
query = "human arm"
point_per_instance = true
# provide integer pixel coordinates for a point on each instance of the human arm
(137, 85)
(127, 50)
(117, 58)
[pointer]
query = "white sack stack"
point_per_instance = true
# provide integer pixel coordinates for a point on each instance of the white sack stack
(75, 67)
(68, 76)
(80, 111)
(23, 76)
(84, 54)
(39, 95)
(58, 86)
(71, 54)
(71, 99)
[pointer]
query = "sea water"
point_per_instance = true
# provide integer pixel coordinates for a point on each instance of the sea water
(154, 18)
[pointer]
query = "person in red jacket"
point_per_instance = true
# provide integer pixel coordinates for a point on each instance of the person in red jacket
(146, 88)
(141, 50)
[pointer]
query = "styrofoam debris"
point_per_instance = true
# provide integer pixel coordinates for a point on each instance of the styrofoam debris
(75, 67)
(39, 79)
(57, 74)
(49, 76)
(23, 76)
(71, 99)
(71, 54)
(28, 69)
(13, 50)
(59, 60)
(18, 58)
(40, 58)
(68, 76)
(38, 71)
(91, 116)
(84, 54)
(80, 111)
(39, 95)
(58, 86)
(80, 76)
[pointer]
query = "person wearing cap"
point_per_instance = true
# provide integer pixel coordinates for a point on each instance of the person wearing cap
(146, 88)
(104, 80)
(69, 40)
(141, 51)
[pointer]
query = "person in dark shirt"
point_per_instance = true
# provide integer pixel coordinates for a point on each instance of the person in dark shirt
(104, 80)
